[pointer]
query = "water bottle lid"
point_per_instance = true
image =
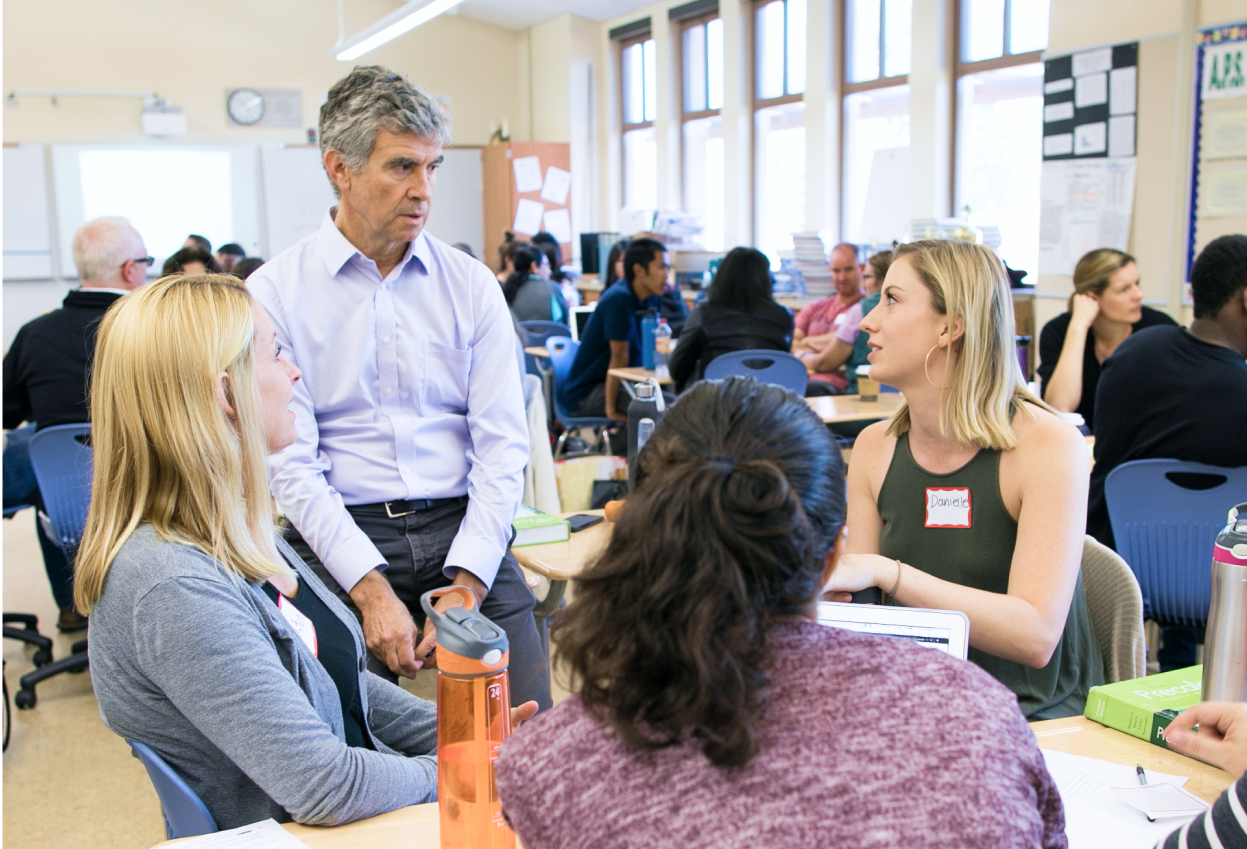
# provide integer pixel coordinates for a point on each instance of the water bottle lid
(464, 630)
(1231, 545)
(645, 391)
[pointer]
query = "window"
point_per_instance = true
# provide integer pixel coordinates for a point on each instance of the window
(640, 147)
(875, 126)
(779, 124)
(999, 123)
(701, 51)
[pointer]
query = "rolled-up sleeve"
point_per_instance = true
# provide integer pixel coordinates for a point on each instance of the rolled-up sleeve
(297, 474)
(498, 431)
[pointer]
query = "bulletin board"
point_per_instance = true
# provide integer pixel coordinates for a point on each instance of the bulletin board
(1219, 158)
(527, 188)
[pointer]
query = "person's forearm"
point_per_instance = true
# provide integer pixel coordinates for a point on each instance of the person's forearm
(1064, 389)
(612, 392)
(832, 357)
(1005, 626)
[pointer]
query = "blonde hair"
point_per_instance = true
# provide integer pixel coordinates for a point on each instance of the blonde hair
(1093, 270)
(986, 386)
(165, 450)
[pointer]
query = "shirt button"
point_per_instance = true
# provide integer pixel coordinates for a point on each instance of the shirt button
(385, 339)
(389, 390)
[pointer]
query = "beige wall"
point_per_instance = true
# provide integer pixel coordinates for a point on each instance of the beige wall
(193, 51)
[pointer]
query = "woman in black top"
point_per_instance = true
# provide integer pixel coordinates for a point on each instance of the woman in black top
(1106, 307)
(738, 314)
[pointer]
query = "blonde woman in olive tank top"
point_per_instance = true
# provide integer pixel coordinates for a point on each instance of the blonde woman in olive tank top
(973, 496)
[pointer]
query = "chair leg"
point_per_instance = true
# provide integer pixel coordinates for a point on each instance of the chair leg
(43, 645)
(558, 449)
(76, 662)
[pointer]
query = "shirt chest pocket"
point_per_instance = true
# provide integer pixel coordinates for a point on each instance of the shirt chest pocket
(444, 388)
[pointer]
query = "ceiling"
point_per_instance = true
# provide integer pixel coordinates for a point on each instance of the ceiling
(521, 14)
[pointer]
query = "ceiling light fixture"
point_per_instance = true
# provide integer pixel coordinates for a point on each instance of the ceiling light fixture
(390, 27)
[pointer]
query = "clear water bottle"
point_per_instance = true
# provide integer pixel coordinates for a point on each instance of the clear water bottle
(662, 350)
(1225, 642)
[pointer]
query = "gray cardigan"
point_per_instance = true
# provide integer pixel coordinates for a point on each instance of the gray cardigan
(201, 666)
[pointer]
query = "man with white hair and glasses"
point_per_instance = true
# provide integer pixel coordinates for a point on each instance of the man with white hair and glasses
(412, 438)
(46, 368)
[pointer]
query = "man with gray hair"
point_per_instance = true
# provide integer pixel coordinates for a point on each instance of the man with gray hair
(412, 438)
(45, 373)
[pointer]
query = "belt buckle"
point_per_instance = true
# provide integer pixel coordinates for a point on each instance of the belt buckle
(394, 515)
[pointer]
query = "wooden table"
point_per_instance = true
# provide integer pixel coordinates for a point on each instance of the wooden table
(851, 408)
(416, 827)
(563, 561)
(537, 352)
(1077, 735)
(637, 375)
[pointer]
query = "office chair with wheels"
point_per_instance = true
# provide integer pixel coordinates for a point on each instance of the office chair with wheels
(28, 632)
(185, 813)
(1165, 516)
(562, 352)
(778, 367)
(62, 460)
(1115, 607)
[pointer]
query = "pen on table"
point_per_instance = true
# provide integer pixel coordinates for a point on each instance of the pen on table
(1142, 775)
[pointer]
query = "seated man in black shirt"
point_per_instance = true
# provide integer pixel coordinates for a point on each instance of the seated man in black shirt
(45, 373)
(1178, 394)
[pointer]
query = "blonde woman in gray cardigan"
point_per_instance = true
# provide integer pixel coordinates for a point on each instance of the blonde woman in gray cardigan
(211, 641)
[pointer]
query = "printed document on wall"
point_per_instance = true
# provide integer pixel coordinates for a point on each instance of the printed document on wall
(1083, 205)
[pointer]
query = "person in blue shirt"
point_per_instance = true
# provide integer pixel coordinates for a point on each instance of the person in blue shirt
(612, 338)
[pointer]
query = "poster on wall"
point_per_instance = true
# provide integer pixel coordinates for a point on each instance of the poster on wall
(1090, 103)
(1218, 203)
(1083, 204)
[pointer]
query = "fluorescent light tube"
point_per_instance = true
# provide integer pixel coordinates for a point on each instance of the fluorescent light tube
(389, 28)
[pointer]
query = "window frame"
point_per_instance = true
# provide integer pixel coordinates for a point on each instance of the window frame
(622, 45)
(757, 103)
(685, 116)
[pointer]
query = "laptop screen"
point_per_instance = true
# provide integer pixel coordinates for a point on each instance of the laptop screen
(943, 630)
(934, 638)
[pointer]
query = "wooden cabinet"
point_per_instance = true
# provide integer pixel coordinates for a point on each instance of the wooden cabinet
(502, 197)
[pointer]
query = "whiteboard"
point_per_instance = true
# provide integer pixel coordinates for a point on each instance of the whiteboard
(168, 191)
(297, 194)
(457, 213)
(27, 215)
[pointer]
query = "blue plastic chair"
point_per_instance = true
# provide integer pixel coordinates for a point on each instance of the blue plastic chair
(62, 460)
(185, 813)
(1165, 530)
(562, 350)
(537, 332)
(778, 367)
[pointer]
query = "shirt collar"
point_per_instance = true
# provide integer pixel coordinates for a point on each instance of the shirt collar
(337, 250)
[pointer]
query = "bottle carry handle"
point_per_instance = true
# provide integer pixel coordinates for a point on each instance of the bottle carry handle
(426, 601)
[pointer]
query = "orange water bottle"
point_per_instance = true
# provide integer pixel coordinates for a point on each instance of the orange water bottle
(473, 718)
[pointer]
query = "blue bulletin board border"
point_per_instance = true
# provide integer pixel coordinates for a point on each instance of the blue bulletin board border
(1204, 38)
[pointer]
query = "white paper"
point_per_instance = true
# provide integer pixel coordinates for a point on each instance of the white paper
(1121, 135)
(1058, 145)
(1121, 90)
(1222, 74)
(1225, 134)
(527, 174)
(1058, 112)
(1092, 61)
(1162, 801)
(1095, 816)
(1091, 90)
(528, 217)
(558, 184)
(1083, 204)
(266, 834)
(1223, 189)
(559, 225)
(1058, 85)
(1090, 138)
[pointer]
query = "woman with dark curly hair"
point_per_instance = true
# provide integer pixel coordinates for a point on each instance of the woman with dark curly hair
(714, 711)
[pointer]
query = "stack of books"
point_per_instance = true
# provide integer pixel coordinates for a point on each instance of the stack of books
(1143, 707)
(810, 258)
(532, 527)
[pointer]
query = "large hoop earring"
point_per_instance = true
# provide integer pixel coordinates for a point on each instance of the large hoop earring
(926, 363)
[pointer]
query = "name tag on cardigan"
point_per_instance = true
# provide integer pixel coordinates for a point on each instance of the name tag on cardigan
(299, 623)
(948, 508)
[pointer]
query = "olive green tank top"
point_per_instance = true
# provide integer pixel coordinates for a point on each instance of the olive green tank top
(955, 527)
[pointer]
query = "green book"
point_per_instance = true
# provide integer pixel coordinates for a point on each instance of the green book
(1143, 707)
(532, 527)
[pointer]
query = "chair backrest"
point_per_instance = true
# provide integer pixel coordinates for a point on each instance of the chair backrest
(778, 367)
(1115, 606)
(539, 331)
(62, 459)
(185, 813)
(1165, 516)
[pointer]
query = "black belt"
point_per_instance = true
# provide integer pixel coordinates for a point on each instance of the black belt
(405, 507)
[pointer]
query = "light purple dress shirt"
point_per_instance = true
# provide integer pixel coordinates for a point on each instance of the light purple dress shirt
(409, 391)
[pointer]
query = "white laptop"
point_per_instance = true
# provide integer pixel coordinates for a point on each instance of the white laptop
(943, 630)
(580, 319)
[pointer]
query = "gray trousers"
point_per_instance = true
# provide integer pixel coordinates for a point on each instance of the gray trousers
(415, 547)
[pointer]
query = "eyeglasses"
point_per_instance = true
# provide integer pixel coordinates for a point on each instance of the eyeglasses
(146, 260)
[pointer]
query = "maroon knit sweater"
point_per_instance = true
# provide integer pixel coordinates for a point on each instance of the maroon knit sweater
(863, 742)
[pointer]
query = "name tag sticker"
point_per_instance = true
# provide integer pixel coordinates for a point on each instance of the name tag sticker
(299, 623)
(948, 508)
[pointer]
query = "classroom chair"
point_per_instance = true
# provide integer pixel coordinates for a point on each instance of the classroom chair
(62, 460)
(562, 352)
(1165, 516)
(185, 813)
(778, 367)
(1115, 606)
(536, 333)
